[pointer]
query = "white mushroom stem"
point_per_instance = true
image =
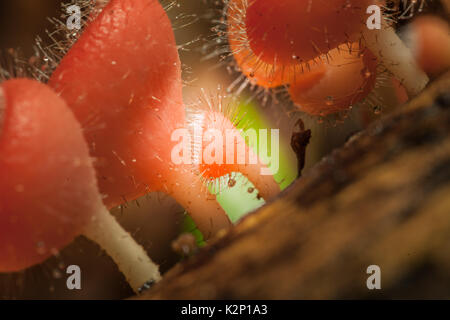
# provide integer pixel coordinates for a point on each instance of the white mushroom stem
(189, 191)
(130, 257)
(396, 57)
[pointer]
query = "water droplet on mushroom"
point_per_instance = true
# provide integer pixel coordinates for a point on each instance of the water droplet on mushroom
(231, 183)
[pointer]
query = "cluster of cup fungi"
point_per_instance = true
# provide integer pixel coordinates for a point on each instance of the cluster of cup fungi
(324, 54)
(98, 134)
(95, 132)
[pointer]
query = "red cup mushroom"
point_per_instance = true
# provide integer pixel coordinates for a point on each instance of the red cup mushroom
(122, 79)
(429, 38)
(219, 149)
(277, 42)
(347, 79)
(48, 190)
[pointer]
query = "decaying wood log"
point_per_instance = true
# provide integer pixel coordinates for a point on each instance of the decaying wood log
(383, 199)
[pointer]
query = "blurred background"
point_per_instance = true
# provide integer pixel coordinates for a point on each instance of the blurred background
(156, 220)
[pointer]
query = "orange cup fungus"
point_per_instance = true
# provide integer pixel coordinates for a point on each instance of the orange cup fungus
(48, 188)
(322, 49)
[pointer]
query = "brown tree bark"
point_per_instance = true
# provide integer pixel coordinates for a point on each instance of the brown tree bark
(382, 199)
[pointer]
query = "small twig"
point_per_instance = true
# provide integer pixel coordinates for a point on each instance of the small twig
(299, 141)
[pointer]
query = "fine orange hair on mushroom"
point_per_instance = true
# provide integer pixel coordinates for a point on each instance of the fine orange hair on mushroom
(267, 75)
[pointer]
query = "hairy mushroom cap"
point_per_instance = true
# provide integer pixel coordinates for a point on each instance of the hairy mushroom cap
(122, 79)
(308, 45)
(300, 30)
(346, 80)
(48, 189)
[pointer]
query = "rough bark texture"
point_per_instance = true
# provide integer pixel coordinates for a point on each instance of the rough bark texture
(383, 199)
